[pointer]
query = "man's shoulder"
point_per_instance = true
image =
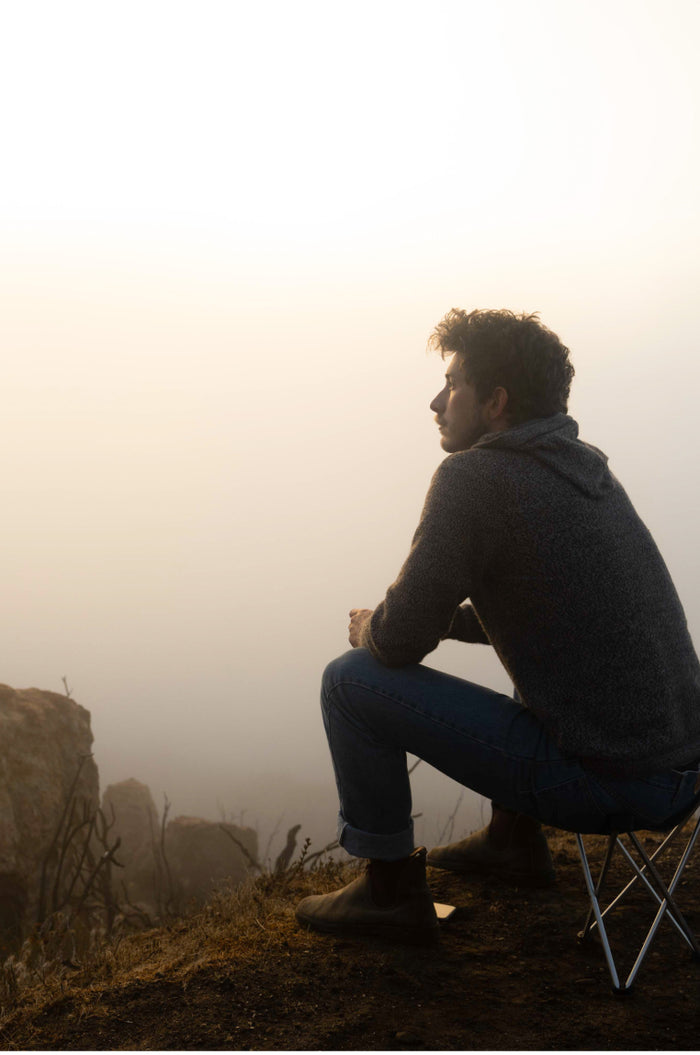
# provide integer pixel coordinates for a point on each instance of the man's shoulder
(476, 463)
(465, 474)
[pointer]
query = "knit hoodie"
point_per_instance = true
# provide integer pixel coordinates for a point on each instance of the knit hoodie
(566, 583)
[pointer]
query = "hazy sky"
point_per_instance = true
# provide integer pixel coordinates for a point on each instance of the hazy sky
(227, 230)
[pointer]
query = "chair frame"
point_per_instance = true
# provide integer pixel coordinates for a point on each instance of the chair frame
(648, 874)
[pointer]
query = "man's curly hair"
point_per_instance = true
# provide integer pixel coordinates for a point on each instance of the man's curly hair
(516, 352)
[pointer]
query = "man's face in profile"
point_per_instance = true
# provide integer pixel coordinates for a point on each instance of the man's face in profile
(458, 413)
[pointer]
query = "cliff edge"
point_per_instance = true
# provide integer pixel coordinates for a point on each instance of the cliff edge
(508, 973)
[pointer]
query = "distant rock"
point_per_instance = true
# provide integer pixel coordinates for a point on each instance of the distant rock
(200, 854)
(45, 759)
(58, 849)
(128, 806)
(197, 856)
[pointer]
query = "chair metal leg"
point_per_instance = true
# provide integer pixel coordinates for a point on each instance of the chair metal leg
(615, 840)
(682, 928)
(653, 882)
(595, 907)
(671, 906)
(589, 925)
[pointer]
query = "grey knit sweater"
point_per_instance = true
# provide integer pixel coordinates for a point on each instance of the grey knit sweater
(566, 583)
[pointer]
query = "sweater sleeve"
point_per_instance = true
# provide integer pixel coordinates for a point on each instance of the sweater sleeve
(446, 558)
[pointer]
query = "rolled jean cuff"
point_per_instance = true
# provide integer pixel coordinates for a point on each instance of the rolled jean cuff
(369, 844)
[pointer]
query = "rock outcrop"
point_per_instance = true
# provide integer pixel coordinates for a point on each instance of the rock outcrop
(46, 768)
(184, 868)
(60, 851)
(128, 806)
(201, 854)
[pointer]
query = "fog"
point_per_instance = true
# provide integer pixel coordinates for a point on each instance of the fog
(227, 233)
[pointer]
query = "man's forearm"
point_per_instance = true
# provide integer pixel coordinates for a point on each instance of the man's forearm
(449, 548)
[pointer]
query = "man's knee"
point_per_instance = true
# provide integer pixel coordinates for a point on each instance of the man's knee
(352, 664)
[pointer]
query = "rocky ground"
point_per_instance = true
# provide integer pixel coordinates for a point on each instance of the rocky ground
(508, 973)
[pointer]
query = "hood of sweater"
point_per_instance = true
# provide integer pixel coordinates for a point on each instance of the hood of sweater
(554, 442)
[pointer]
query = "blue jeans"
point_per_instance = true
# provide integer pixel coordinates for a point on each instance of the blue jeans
(484, 740)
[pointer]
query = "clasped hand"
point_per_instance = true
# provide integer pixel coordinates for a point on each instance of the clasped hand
(358, 618)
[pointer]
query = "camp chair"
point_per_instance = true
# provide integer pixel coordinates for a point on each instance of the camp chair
(646, 872)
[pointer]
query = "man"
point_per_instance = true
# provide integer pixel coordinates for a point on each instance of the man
(525, 521)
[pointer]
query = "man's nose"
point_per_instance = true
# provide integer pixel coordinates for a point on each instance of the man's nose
(436, 404)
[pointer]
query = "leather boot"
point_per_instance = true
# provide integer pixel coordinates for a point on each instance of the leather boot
(512, 846)
(389, 900)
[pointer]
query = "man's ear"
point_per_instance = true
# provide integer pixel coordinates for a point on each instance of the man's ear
(497, 404)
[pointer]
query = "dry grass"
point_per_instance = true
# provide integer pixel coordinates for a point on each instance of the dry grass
(238, 922)
(240, 974)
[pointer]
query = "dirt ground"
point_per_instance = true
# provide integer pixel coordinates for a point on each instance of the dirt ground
(508, 973)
